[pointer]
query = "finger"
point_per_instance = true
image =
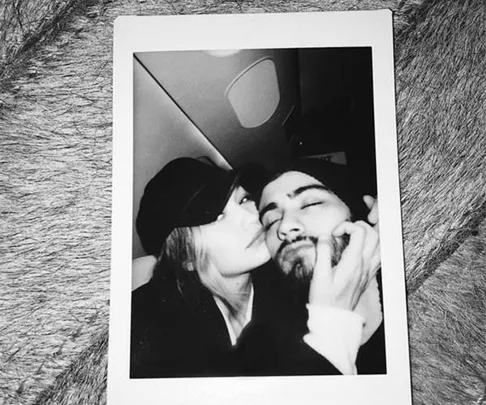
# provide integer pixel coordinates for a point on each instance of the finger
(372, 204)
(342, 228)
(372, 239)
(371, 252)
(356, 232)
(375, 263)
(372, 267)
(320, 292)
(352, 257)
(369, 280)
(369, 201)
(373, 217)
(323, 267)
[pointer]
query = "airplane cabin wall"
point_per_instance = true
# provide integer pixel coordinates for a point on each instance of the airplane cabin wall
(198, 82)
(162, 132)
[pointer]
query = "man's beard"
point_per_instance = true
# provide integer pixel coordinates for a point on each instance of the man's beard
(299, 268)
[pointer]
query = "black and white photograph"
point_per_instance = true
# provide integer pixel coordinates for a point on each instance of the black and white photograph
(256, 212)
(243, 202)
(204, 236)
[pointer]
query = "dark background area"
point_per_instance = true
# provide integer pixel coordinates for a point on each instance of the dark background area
(336, 97)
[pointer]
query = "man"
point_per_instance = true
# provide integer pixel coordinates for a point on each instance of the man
(315, 232)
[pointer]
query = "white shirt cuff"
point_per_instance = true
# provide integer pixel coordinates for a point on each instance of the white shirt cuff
(335, 334)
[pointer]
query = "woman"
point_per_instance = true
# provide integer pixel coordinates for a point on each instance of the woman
(206, 312)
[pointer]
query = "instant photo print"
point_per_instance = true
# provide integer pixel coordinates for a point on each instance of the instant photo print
(208, 112)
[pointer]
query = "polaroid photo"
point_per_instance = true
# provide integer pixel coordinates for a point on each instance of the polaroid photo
(247, 265)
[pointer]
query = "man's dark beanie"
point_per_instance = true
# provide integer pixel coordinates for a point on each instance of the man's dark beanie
(338, 179)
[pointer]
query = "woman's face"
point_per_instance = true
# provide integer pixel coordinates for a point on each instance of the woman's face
(235, 242)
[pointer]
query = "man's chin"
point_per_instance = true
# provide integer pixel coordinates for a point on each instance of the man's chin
(298, 263)
(299, 266)
(302, 272)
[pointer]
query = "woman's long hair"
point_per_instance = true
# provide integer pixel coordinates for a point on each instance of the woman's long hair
(183, 254)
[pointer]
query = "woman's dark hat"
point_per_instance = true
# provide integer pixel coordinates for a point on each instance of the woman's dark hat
(186, 192)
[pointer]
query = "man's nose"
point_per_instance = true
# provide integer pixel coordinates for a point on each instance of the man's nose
(289, 227)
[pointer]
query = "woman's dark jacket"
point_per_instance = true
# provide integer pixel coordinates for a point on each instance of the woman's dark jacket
(175, 335)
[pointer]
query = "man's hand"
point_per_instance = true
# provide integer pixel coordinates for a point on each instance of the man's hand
(341, 286)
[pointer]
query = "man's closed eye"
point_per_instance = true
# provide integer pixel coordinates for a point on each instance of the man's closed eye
(312, 204)
(269, 223)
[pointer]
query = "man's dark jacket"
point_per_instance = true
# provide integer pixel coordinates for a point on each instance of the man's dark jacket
(371, 358)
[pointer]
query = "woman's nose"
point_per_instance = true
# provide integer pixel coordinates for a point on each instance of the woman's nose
(289, 228)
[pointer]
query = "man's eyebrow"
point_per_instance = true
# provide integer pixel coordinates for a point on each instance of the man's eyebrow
(293, 194)
(302, 189)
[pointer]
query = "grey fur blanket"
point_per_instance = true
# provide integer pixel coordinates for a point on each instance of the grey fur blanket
(55, 189)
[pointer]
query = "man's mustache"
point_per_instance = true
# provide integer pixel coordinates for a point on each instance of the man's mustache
(338, 247)
(299, 238)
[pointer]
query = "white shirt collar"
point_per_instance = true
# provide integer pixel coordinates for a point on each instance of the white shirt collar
(224, 312)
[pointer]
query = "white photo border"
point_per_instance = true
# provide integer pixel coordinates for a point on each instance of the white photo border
(253, 31)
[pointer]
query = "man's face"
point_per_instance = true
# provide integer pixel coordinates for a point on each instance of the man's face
(296, 211)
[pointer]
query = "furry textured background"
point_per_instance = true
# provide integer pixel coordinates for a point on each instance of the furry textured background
(55, 189)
